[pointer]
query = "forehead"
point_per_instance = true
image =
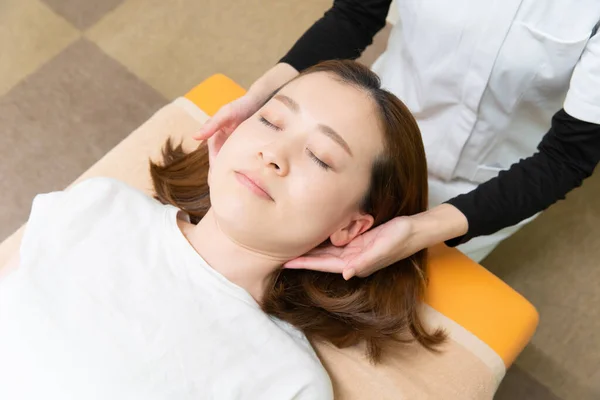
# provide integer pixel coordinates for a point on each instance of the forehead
(350, 111)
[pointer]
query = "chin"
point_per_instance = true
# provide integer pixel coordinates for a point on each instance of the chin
(236, 214)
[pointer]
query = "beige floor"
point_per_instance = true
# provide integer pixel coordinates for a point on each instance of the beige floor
(77, 76)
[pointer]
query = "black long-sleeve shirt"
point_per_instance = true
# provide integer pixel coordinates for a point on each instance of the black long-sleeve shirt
(567, 154)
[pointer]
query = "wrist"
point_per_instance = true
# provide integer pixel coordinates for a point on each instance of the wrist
(437, 225)
(272, 80)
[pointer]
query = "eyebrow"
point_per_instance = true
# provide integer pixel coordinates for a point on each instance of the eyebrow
(326, 130)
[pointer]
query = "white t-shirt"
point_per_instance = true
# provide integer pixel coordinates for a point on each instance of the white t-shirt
(112, 302)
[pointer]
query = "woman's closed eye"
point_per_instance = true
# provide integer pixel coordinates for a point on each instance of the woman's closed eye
(269, 124)
(316, 159)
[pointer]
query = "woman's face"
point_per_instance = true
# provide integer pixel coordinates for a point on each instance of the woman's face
(294, 173)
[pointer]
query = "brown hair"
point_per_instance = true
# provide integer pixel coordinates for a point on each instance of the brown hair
(378, 309)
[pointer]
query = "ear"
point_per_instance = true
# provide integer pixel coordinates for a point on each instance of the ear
(358, 225)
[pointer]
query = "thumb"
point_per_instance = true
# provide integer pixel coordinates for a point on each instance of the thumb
(358, 266)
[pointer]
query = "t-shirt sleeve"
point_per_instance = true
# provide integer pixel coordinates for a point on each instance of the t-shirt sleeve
(45, 210)
(61, 219)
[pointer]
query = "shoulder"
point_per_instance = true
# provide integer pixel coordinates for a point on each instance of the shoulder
(77, 204)
(103, 187)
(108, 195)
(92, 204)
(90, 216)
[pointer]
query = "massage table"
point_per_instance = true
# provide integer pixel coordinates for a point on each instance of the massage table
(487, 322)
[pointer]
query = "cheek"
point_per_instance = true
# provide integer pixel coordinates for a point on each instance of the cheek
(244, 143)
(325, 203)
(236, 148)
(230, 148)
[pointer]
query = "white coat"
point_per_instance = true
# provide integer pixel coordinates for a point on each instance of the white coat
(484, 78)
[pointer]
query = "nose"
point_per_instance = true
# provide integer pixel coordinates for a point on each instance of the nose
(273, 156)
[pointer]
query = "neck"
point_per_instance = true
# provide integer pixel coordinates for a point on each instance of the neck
(241, 265)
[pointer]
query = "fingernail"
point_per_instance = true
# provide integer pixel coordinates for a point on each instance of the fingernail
(349, 273)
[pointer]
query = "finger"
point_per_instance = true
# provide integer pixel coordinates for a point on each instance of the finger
(327, 251)
(359, 266)
(204, 132)
(330, 264)
(211, 126)
(348, 273)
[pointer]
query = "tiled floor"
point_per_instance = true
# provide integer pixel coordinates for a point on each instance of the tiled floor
(58, 121)
(76, 76)
(82, 13)
(173, 45)
(30, 35)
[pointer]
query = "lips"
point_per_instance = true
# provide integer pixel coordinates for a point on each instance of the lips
(254, 184)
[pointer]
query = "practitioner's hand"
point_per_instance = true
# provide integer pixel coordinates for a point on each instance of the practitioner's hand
(367, 253)
(390, 242)
(217, 129)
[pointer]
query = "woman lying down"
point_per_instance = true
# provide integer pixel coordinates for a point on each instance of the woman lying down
(119, 296)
